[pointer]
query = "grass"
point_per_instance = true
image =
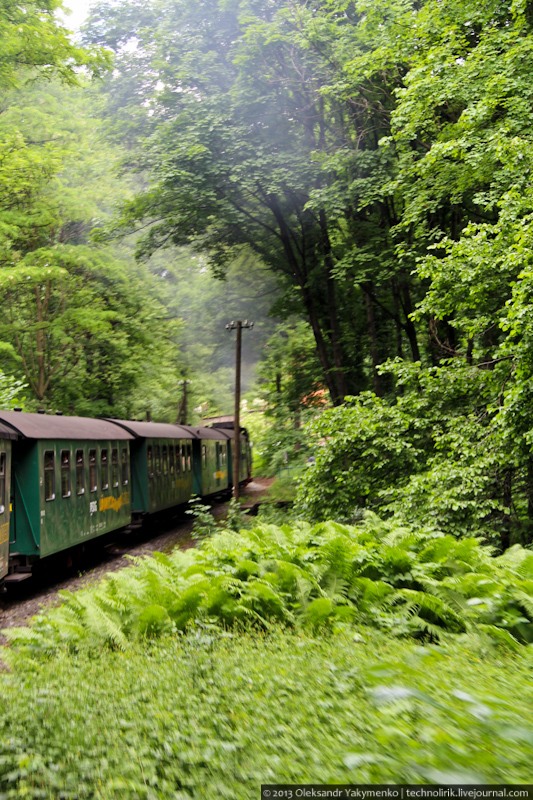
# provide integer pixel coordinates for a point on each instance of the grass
(293, 654)
(206, 716)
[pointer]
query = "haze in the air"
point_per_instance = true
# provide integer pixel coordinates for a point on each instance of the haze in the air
(79, 12)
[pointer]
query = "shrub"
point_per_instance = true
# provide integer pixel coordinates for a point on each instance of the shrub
(212, 715)
(411, 583)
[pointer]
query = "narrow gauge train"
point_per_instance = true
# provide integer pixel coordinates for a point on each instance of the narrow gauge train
(66, 480)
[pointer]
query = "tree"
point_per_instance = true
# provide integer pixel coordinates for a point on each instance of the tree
(460, 129)
(33, 45)
(253, 143)
(80, 320)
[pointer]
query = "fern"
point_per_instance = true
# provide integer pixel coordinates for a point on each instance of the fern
(500, 635)
(405, 581)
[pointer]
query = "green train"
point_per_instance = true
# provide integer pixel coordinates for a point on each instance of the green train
(66, 480)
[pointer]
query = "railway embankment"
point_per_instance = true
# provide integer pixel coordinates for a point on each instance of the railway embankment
(23, 601)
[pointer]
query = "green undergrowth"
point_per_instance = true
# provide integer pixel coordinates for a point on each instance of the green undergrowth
(408, 582)
(284, 488)
(215, 715)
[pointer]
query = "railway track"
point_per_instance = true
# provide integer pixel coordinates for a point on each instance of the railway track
(22, 601)
(102, 556)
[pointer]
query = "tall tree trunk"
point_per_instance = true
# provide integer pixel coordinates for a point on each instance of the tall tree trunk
(396, 298)
(39, 337)
(320, 346)
(299, 273)
(529, 489)
(371, 327)
(334, 332)
(410, 329)
(507, 499)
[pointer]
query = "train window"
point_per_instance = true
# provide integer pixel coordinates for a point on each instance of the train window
(93, 484)
(189, 466)
(65, 473)
(80, 472)
(171, 459)
(150, 462)
(49, 475)
(2, 482)
(157, 455)
(114, 468)
(125, 465)
(223, 453)
(104, 475)
(165, 460)
(204, 455)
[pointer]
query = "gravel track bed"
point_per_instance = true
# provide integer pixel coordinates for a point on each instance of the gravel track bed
(25, 600)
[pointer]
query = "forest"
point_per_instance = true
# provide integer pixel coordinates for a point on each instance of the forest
(356, 177)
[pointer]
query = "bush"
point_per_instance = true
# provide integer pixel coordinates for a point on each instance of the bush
(410, 583)
(208, 715)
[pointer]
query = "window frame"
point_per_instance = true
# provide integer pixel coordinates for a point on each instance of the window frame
(125, 466)
(104, 469)
(80, 472)
(93, 471)
(171, 461)
(115, 471)
(64, 468)
(49, 470)
(3, 475)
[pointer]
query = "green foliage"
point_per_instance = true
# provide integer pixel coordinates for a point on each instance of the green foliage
(83, 324)
(441, 453)
(32, 42)
(235, 520)
(410, 583)
(272, 146)
(203, 305)
(10, 390)
(377, 159)
(204, 524)
(370, 445)
(284, 488)
(208, 714)
(289, 383)
(281, 445)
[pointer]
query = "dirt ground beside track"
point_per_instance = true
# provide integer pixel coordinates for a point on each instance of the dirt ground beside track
(25, 600)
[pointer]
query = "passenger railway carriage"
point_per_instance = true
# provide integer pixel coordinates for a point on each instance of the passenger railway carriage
(66, 480)
(161, 465)
(245, 463)
(71, 482)
(212, 453)
(7, 435)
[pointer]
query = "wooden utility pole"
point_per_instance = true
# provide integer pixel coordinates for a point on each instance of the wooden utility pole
(238, 326)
